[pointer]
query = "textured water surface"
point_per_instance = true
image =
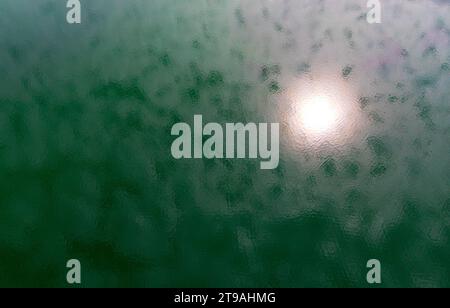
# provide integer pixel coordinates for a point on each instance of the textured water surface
(86, 171)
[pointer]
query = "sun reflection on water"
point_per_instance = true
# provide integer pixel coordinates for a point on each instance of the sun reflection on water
(317, 114)
(322, 113)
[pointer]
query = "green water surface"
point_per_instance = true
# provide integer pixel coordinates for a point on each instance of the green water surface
(86, 170)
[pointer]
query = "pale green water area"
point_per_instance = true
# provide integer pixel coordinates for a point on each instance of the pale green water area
(86, 170)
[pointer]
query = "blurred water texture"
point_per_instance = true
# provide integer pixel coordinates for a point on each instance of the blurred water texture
(85, 165)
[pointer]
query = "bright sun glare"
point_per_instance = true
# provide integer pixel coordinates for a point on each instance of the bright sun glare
(322, 111)
(318, 114)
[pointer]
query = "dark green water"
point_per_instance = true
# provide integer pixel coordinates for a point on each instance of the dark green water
(86, 171)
